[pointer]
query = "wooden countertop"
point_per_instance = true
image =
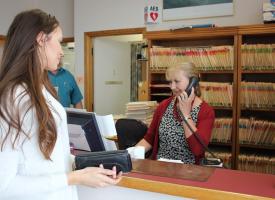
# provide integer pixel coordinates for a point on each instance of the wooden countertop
(212, 183)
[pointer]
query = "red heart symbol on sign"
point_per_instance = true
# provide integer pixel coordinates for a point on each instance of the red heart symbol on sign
(154, 16)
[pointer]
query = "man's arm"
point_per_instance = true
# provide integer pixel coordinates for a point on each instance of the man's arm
(78, 105)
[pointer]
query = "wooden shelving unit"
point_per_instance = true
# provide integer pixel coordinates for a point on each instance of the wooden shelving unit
(256, 34)
(197, 38)
(235, 36)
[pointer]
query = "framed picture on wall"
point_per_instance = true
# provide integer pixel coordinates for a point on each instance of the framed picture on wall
(188, 9)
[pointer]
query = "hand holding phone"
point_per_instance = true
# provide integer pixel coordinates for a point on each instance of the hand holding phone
(193, 82)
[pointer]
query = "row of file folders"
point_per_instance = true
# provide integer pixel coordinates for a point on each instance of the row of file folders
(209, 58)
(253, 94)
(249, 162)
(251, 131)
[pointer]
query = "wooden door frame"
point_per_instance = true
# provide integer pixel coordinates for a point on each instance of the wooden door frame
(89, 59)
(68, 39)
(64, 40)
(2, 39)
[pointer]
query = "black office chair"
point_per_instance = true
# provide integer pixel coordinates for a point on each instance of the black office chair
(129, 132)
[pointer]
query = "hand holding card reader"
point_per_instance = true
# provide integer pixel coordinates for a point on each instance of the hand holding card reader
(119, 158)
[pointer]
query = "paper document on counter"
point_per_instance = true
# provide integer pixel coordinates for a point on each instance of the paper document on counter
(107, 128)
(169, 160)
(137, 152)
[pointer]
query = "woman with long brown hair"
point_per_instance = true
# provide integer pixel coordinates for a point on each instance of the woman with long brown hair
(35, 160)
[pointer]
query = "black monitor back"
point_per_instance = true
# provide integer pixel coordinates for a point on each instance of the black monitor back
(87, 121)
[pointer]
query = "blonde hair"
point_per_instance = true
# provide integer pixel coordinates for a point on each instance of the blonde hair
(190, 71)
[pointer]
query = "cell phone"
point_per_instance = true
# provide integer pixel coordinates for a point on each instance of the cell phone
(193, 82)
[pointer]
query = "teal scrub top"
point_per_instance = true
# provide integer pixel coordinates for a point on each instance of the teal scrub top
(66, 86)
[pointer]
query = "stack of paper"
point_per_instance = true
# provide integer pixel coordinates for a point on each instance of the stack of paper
(269, 12)
(107, 129)
(141, 110)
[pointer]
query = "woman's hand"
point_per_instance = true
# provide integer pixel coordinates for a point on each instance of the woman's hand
(94, 177)
(185, 102)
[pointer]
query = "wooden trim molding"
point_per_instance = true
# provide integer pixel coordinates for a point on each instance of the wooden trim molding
(68, 39)
(257, 29)
(88, 73)
(116, 32)
(219, 32)
(184, 190)
(2, 37)
(211, 32)
(65, 40)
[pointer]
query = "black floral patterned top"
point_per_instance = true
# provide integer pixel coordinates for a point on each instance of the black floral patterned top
(172, 141)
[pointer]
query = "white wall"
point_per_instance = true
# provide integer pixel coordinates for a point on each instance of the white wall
(69, 58)
(94, 15)
(112, 62)
(121, 193)
(62, 9)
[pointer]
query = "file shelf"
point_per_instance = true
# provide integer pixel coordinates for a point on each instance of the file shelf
(177, 43)
(173, 43)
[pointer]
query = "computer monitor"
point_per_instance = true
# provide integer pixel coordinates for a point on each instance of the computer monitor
(88, 123)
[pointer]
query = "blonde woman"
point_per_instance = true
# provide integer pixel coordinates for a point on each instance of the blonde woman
(168, 136)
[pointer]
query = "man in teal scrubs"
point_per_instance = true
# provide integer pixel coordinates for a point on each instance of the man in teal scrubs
(66, 86)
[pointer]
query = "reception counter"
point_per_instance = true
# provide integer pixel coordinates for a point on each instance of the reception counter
(191, 181)
(151, 180)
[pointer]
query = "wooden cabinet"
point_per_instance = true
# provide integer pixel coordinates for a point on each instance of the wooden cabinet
(159, 87)
(256, 100)
(230, 114)
(169, 47)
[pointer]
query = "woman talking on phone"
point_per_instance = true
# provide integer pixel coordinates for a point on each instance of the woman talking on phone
(168, 135)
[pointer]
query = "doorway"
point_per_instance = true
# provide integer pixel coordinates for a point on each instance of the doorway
(107, 69)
